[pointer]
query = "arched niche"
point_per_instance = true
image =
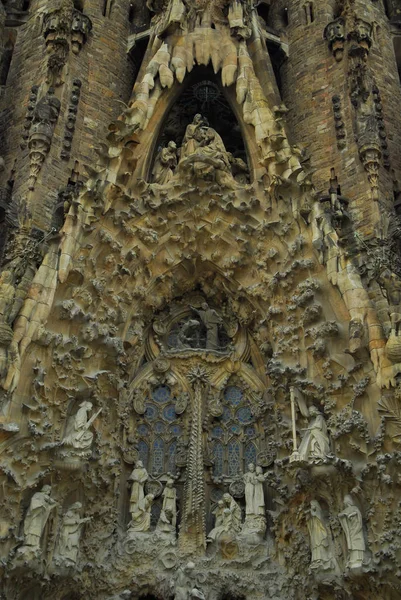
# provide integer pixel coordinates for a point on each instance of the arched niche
(203, 94)
(194, 87)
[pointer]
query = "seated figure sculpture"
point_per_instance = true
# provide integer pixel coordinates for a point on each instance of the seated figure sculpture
(204, 156)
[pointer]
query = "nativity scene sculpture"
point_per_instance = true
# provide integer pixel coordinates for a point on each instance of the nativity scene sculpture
(202, 156)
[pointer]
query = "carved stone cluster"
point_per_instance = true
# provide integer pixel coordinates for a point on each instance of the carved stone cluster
(71, 119)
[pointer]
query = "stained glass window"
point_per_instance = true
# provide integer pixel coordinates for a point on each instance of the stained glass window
(233, 449)
(233, 458)
(218, 457)
(171, 457)
(158, 457)
(250, 454)
(158, 431)
(143, 451)
(161, 394)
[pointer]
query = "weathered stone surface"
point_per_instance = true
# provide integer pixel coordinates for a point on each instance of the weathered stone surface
(200, 339)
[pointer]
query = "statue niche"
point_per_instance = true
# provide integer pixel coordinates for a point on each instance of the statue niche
(201, 138)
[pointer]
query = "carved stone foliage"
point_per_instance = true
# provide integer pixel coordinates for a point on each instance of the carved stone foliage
(197, 365)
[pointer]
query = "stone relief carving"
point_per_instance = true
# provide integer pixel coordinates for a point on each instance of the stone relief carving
(168, 516)
(320, 540)
(69, 536)
(40, 507)
(351, 522)
(129, 267)
(62, 28)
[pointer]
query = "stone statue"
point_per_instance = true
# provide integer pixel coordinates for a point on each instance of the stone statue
(322, 558)
(168, 515)
(70, 533)
(315, 445)
(165, 164)
(255, 513)
(140, 516)
(211, 320)
(204, 155)
(231, 515)
(139, 477)
(78, 435)
(254, 493)
(218, 523)
(36, 518)
(351, 522)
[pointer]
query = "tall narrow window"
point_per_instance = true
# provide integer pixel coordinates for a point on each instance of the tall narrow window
(157, 432)
(234, 435)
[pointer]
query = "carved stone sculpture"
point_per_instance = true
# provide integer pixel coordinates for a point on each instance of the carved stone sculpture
(69, 535)
(45, 116)
(139, 477)
(78, 435)
(165, 164)
(322, 557)
(232, 514)
(315, 445)
(255, 518)
(168, 515)
(351, 522)
(218, 523)
(211, 320)
(335, 35)
(204, 155)
(141, 515)
(40, 507)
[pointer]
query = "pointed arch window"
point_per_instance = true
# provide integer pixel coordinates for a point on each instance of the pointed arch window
(234, 435)
(157, 432)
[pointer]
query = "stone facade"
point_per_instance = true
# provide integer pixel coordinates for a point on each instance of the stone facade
(200, 288)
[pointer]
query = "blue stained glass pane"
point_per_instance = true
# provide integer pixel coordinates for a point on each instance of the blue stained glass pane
(244, 415)
(175, 430)
(171, 457)
(233, 458)
(159, 427)
(150, 412)
(161, 394)
(218, 457)
(226, 414)
(217, 432)
(143, 429)
(143, 452)
(233, 395)
(169, 413)
(235, 429)
(158, 457)
(250, 454)
(250, 431)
